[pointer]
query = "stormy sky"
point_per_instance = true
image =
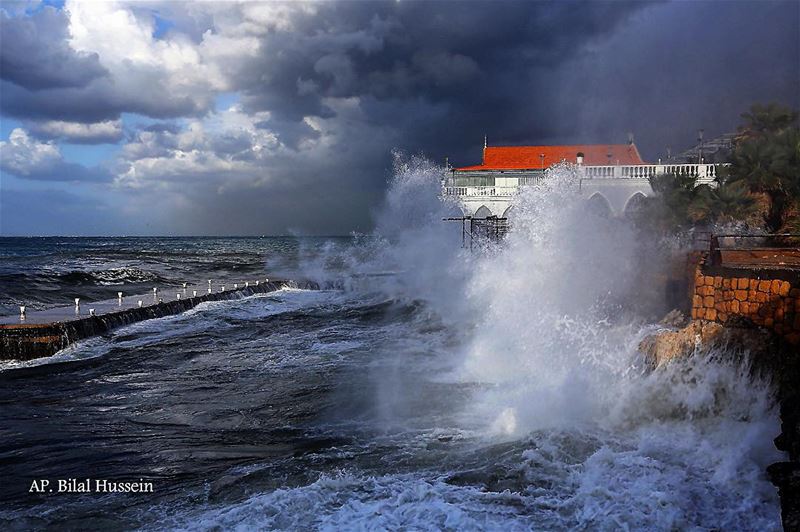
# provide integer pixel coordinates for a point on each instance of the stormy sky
(168, 118)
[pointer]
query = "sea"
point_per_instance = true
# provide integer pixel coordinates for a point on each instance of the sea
(426, 385)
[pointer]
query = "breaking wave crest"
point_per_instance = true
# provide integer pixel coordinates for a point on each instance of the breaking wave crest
(113, 276)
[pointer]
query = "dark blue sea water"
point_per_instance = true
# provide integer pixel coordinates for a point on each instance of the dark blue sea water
(52, 271)
(424, 387)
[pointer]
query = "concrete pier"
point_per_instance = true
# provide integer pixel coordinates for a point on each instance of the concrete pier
(43, 333)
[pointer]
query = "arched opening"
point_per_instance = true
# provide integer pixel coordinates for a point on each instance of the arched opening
(455, 210)
(598, 205)
(509, 212)
(635, 205)
(482, 212)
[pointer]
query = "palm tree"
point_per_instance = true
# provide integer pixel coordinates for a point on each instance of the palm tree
(767, 160)
(725, 203)
(765, 119)
(673, 195)
(763, 180)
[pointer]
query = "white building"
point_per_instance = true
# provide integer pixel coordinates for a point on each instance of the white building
(611, 175)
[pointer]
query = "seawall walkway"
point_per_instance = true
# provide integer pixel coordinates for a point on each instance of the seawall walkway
(43, 333)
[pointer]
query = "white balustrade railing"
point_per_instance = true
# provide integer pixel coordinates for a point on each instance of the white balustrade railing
(706, 174)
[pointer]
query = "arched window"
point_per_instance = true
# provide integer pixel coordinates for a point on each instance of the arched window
(599, 205)
(482, 212)
(634, 205)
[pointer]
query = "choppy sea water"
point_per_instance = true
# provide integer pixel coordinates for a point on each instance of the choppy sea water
(424, 387)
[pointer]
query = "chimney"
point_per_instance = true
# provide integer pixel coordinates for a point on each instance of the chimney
(579, 158)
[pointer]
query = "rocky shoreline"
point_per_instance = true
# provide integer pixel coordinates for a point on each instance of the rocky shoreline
(768, 353)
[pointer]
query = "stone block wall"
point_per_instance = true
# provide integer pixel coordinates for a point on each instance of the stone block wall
(761, 296)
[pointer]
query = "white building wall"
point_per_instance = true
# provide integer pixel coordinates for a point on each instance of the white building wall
(617, 184)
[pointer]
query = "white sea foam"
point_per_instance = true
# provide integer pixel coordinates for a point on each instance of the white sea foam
(346, 501)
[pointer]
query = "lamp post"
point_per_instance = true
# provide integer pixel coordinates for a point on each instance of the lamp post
(700, 148)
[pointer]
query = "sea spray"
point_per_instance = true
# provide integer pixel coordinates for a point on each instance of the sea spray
(412, 254)
(548, 334)
(545, 302)
(542, 316)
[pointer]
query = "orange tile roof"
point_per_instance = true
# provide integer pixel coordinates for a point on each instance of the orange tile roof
(529, 157)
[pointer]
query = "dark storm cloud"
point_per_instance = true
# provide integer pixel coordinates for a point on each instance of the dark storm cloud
(446, 73)
(480, 59)
(334, 205)
(681, 67)
(290, 132)
(441, 74)
(51, 212)
(35, 55)
(100, 100)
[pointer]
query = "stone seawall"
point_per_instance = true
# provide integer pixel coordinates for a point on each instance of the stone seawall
(22, 341)
(754, 301)
(767, 298)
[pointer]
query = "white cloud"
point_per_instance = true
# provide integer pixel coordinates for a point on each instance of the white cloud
(226, 144)
(106, 131)
(122, 34)
(275, 15)
(25, 157)
(231, 149)
(125, 44)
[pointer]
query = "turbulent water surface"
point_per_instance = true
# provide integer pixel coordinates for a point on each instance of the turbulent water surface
(423, 387)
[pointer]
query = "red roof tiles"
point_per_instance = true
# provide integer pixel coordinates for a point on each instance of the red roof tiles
(530, 157)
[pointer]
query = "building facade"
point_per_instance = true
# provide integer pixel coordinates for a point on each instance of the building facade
(612, 176)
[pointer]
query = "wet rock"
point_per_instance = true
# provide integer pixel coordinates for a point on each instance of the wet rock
(701, 336)
(786, 476)
(674, 318)
(789, 440)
